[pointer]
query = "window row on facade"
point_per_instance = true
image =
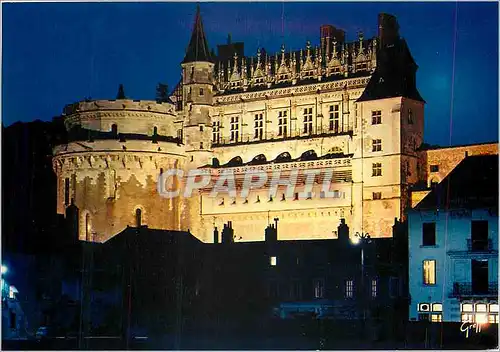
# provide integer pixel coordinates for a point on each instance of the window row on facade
(309, 196)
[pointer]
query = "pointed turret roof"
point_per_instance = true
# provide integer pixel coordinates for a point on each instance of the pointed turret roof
(198, 47)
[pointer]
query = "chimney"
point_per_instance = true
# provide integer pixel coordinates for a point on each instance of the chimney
(328, 34)
(216, 235)
(271, 234)
(388, 29)
(227, 233)
(343, 231)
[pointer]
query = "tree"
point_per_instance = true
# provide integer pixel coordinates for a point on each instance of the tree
(121, 92)
(162, 93)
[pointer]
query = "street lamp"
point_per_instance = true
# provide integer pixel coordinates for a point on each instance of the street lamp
(4, 269)
(362, 239)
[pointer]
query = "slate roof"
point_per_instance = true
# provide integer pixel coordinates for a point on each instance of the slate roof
(198, 47)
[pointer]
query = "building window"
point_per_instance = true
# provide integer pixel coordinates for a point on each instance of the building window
(376, 117)
(377, 195)
(319, 287)
(437, 307)
(66, 190)
(201, 92)
(334, 118)
(349, 288)
(235, 129)
(467, 318)
(434, 168)
(479, 235)
(376, 169)
(258, 126)
(423, 316)
(201, 128)
(410, 116)
(273, 261)
(282, 123)
(138, 217)
(308, 125)
(394, 287)
(436, 318)
(376, 145)
(114, 129)
(201, 145)
(215, 131)
(429, 268)
(429, 234)
(493, 308)
(88, 229)
(11, 292)
(374, 288)
(155, 131)
(493, 318)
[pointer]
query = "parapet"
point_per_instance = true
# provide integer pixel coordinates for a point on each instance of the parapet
(120, 104)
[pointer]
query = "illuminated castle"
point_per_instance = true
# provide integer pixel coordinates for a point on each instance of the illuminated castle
(349, 106)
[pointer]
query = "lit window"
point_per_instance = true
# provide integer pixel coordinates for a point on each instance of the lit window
(467, 307)
(374, 288)
(349, 288)
(319, 287)
(273, 261)
(436, 318)
(437, 307)
(376, 145)
(481, 318)
(494, 308)
(377, 195)
(376, 117)
(11, 291)
(481, 307)
(493, 318)
(467, 318)
(377, 169)
(429, 267)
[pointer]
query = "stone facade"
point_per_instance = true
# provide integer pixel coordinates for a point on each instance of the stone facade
(333, 107)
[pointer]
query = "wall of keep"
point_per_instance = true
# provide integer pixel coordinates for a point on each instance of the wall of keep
(447, 158)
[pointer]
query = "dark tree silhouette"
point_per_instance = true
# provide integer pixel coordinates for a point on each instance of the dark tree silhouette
(162, 93)
(121, 92)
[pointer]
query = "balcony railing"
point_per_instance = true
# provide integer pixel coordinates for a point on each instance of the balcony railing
(479, 245)
(467, 289)
(269, 136)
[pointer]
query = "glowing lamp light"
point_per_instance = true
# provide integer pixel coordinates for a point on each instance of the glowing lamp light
(481, 318)
(4, 269)
(355, 240)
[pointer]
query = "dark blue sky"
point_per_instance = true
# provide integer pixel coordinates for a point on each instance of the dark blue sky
(55, 53)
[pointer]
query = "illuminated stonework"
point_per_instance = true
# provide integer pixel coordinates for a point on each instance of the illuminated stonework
(335, 106)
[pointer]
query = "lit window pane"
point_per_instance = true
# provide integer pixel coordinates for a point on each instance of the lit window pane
(494, 308)
(480, 307)
(493, 318)
(273, 261)
(467, 318)
(436, 318)
(437, 307)
(429, 272)
(467, 307)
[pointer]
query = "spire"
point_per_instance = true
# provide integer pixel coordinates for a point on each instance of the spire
(198, 46)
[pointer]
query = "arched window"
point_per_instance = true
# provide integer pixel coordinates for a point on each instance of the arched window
(155, 131)
(114, 129)
(88, 228)
(138, 217)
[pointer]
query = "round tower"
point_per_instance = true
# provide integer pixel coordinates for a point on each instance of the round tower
(110, 164)
(198, 85)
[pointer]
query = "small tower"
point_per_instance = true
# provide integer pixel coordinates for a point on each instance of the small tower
(198, 85)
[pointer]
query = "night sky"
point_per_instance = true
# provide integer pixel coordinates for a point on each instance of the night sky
(55, 54)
